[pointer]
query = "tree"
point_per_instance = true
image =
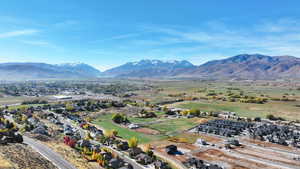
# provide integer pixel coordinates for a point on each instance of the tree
(70, 142)
(88, 136)
(69, 107)
(195, 112)
(165, 109)
(133, 142)
(114, 132)
(101, 160)
(95, 156)
(184, 112)
(271, 117)
(119, 118)
(110, 133)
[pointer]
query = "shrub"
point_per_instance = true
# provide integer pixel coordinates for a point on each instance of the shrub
(270, 117)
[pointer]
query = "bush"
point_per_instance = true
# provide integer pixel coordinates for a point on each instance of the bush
(270, 117)
(258, 119)
(273, 118)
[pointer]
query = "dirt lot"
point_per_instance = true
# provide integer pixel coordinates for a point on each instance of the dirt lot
(251, 155)
(23, 157)
(217, 156)
(270, 145)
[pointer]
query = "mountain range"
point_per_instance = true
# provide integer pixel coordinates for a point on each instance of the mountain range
(32, 71)
(244, 66)
(247, 66)
(150, 68)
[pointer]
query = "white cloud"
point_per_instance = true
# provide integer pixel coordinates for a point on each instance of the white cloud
(118, 37)
(18, 33)
(233, 41)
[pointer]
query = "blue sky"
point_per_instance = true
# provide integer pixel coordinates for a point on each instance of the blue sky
(109, 33)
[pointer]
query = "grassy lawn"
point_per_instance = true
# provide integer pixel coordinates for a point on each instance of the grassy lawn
(174, 126)
(140, 120)
(171, 127)
(105, 122)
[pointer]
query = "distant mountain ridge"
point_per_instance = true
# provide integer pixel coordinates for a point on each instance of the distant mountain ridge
(30, 71)
(247, 66)
(244, 66)
(149, 68)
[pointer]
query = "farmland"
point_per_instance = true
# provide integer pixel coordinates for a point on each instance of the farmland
(200, 118)
(215, 96)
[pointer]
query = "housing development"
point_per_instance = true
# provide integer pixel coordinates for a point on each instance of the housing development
(149, 124)
(149, 84)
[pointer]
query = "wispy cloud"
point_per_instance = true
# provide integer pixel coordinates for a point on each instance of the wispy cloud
(66, 23)
(36, 42)
(280, 37)
(41, 43)
(118, 37)
(18, 33)
(279, 26)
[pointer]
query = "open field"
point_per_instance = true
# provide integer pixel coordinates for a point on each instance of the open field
(23, 106)
(162, 129)
(287, 110)
(200, 89)
(105, 122)
(174, 126)
(17, 99)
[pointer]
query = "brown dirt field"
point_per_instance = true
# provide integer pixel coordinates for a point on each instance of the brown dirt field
(188, 146)
(269, 158)
(217, 155)
(267, 144)
(210, 139)
(202, 120)
(161, 143)
(147, 131)
(181, 158)
(71, 155)
(23, 157)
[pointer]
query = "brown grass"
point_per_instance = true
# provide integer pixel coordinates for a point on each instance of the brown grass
(71, 155)
(5, 164)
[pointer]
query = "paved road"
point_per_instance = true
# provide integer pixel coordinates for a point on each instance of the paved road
(49, 154)
(55, 158)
